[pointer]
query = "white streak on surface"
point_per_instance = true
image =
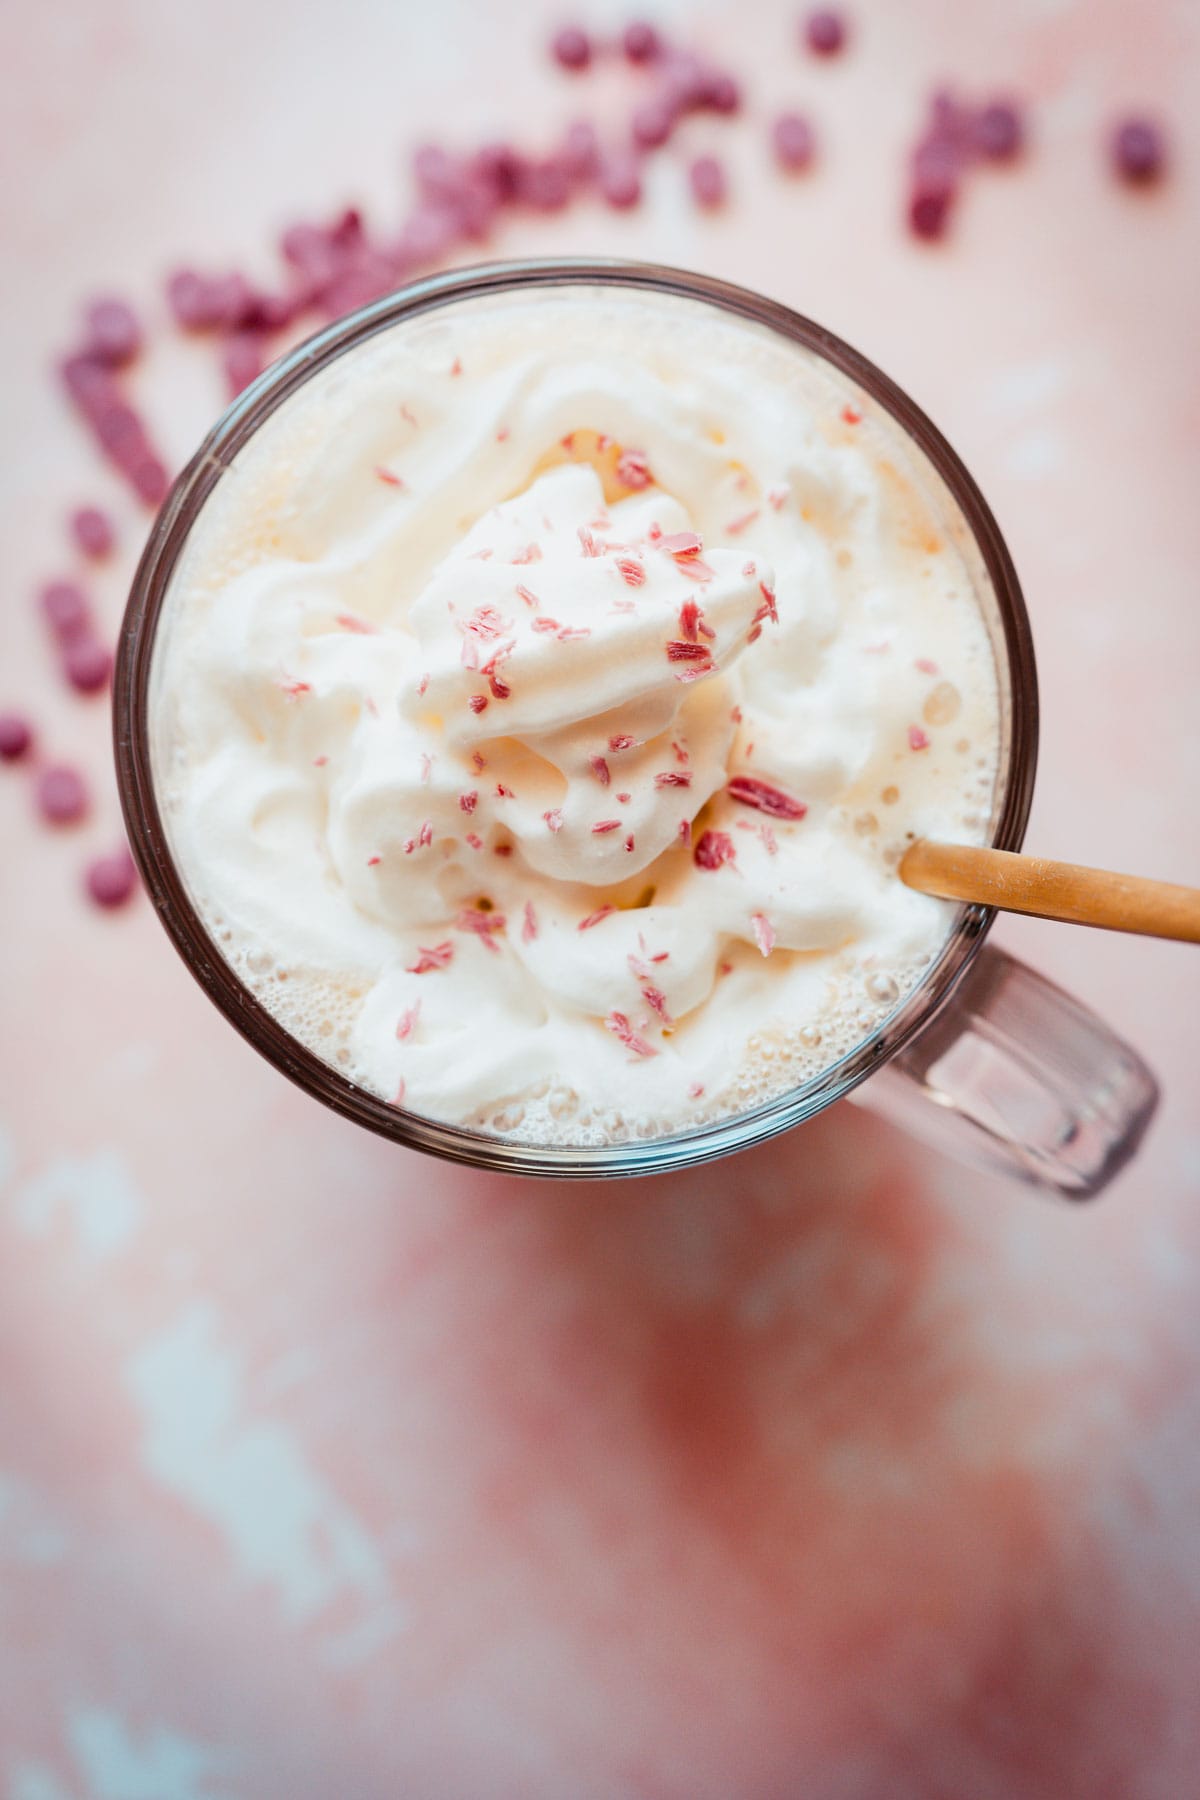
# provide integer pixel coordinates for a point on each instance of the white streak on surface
(96, 1192)
(34, 1781)
(28, 1534)
(283, 1524)
(161, 1766)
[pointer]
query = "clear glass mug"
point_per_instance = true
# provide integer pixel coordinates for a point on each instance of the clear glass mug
(983, 1058)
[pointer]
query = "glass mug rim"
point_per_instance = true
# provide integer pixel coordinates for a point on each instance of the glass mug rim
(146, 827)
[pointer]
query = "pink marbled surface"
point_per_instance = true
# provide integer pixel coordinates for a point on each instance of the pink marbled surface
(832, 1471)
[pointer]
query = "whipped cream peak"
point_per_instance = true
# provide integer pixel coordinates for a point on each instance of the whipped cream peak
(617, 609)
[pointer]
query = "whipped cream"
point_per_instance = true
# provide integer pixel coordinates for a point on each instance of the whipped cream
(543, 702)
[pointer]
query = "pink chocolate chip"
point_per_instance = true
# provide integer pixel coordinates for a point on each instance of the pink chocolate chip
(545, 185)
(150, 479)
(88, 380)
(66, 609)
(998, 131)
(929, 211)
(792, 141)
(720, 92)
(620, 182)
(110, 880)
(641, 42)
(653, 122)
(707, 178)
(580, 155)
(92, 531)
(243, 361)
(16, 736)
(87, 663)
(205, 302)
(825, 32)
(62, 795)
(1138, 150)
(572, 47)
(114, 336)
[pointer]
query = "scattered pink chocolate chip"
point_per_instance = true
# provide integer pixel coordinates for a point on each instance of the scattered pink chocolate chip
(87, 380)
(16, 736)
(66, 610)
(110, 880)
(825, 31)
(997, 131)
(204, 302)
(243, 360)
(714, 849)
(580, 153)
(545, 185)
(929, 210)
(720, 92)
(620, 182)
(640, 41)
(498, 167)
(653, 122)
(114, 336)
(707, 179)
(62, 794)
(87, 663)
(1138, 150)
(792, 141)
(93, 531)
(150, 479)
(571, 47)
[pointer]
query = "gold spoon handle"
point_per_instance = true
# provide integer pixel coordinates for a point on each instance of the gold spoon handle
(1053, 890)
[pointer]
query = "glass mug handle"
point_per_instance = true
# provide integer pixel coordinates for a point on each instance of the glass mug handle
(1014, 1075)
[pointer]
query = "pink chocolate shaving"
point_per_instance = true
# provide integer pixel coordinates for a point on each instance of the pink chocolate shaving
(682, 543)
(599, 769)
(714, 849)
(529, 928)
(917, 739)
(657, 1000)
(408, 1021)
(764, 932)
(601, 912)
(437, 958)
(485, 925)
(765, 797)
(619, 1025)
(633, 470)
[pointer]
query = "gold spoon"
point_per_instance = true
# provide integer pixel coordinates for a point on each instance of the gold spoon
(1053, 890)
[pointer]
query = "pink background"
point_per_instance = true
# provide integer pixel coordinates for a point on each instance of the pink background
(830, 1471)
